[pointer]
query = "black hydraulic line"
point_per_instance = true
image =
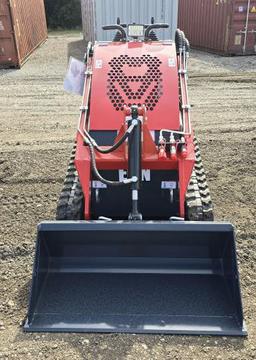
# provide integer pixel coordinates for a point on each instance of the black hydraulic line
(97, 174)
(178, 40)
(115, 146)
(181, 41)
(101, 178)
(187, 45)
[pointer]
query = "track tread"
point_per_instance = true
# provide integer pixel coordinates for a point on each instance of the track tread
(71, 200)
(198, 200)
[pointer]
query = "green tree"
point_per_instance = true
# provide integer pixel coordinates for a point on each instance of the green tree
(65, 14)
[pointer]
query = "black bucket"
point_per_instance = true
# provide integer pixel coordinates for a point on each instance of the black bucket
(137, 277)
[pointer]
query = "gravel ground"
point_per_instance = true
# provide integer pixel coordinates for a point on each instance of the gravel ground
(37, 126)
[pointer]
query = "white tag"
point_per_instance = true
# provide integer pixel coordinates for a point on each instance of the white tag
(74, 80)
(135, 196)
(241, 9)
(1, 26)
(98, 185)
(171, 185)
(171, 62)
(238, 39)
(98, 64)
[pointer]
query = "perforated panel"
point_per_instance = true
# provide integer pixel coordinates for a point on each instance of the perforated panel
(134, 73)
(139, 79)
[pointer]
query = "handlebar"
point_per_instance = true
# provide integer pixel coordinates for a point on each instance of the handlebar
(148, 29)
(155, 26)
(116, 27)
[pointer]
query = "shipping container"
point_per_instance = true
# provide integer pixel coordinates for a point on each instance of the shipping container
(22, 29)
(96, 13)
(222, 26)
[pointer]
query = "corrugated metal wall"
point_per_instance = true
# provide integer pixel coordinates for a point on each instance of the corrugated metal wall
(204, 22)
(8, 50)
(30, 25)
(97, 13)
(222, 26)
(22, 28)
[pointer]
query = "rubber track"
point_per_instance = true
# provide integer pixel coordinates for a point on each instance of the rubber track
(198, 199)
(71, 200)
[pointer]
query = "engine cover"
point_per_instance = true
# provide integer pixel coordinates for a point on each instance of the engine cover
(134, 73)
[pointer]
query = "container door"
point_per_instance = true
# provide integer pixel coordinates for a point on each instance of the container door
(8, 52)
(243, 28)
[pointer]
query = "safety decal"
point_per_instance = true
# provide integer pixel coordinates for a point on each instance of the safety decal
(238, 40)
(171, 62)
(98, 185)
(98, 64)
(171, 185)
(253, 9)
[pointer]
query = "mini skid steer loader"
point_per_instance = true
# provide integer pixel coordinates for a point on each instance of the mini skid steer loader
(134, 247)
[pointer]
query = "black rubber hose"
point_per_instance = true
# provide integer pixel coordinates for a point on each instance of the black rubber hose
(183, 37)
(187, 45)
(185, 42)
(181, 41)
(115, 146)
(178, 40)
(96, 172)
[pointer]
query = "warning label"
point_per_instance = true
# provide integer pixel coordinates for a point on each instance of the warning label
(238, 40)
(253, 9)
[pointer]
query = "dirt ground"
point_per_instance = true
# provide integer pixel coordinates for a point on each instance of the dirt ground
(37, 126)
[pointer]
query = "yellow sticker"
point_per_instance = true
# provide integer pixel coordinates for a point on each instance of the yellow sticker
(253, 9)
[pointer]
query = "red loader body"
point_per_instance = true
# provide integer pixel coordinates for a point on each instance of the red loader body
(134, 247)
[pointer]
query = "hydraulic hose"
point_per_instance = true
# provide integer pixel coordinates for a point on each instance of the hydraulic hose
(99, 177)
(115, 146)
(93, 145)
(187, 45)
(178, 40)
(118, 143)
(181, 41)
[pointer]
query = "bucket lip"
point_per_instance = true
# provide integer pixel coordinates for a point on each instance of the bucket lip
(84, 225)
(31, 327)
